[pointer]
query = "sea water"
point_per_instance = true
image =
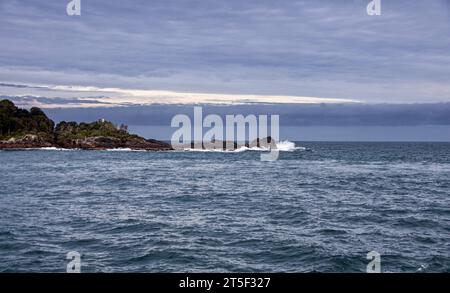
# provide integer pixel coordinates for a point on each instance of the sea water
(319, 207)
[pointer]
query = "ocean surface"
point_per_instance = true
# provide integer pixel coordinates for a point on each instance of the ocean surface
(319, 208)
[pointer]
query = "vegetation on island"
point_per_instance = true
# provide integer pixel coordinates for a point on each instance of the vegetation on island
(16, 122)
(20, 128)
(73, 130)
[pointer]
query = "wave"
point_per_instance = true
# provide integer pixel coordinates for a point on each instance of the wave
(124, 150)
(288, 146)
(109, 150)
(46, 149)
(53, 149)
(282, 146)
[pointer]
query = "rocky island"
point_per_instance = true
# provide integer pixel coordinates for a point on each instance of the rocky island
(22, 129)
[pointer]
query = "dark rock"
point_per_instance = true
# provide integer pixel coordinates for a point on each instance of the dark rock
(266, 142)
(20, 129)
(105, 142)
(25, 142)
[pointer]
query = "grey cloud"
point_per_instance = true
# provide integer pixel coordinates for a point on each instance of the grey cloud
(316, 48)
(290, 115)
(30, 100)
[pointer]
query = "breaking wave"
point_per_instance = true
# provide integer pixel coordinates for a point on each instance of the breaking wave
(53, 149)
(124, 150)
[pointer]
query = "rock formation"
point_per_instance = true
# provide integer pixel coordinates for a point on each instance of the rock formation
(20, 128)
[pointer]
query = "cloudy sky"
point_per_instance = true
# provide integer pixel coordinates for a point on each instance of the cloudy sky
(152, 50)
(137, 53)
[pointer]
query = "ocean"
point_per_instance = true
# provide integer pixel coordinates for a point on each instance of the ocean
(321, 207)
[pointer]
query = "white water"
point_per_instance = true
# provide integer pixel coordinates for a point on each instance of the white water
(63, 149)
(54, 149)
(124, 150)
(283, 146)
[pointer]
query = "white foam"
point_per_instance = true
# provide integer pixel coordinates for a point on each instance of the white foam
(124, 150)
(53, 149)
(119, 150)
(288, 146)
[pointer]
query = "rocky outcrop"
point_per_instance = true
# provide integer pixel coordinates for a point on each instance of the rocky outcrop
(22, 129)
(266, 143)
(147, 144)
(25, 142)
(106, 142)
(102, 135)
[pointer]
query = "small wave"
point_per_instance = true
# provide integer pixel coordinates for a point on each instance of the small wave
(422, 268)
(54, 149)
(124, 150)
(288, 146)
(39, 149)
(208, 150)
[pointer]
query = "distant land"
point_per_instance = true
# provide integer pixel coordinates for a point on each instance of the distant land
(23, 129)
(20, 128)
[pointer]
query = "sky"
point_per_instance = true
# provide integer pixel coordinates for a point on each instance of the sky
(135, 54)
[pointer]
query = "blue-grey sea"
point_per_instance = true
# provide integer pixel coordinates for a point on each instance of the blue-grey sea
(319, 209)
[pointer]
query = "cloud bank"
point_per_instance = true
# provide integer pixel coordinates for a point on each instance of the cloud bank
(326, 49)
(88, 97)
